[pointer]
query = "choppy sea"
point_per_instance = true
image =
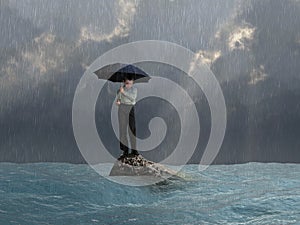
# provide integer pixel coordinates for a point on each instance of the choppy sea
(61, 193)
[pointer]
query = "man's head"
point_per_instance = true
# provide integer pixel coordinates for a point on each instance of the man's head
(128, 81)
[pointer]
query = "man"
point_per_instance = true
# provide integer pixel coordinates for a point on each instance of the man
(126, 97)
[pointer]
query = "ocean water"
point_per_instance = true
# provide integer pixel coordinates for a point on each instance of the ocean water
(61, 193)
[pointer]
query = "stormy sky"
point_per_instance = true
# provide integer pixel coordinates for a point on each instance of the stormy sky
(252, 47)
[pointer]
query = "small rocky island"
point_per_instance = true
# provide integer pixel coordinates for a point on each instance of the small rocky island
(139, 166)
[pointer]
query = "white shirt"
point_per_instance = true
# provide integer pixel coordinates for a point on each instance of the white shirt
(128, 96)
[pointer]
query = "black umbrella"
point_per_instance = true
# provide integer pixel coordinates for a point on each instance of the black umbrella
(118, 71)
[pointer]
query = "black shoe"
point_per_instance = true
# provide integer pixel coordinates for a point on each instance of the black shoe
(125, 154)
(135, 152)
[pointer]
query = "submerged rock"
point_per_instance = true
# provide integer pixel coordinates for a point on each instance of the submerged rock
(139, 166)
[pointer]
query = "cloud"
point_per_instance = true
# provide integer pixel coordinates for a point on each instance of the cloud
(125, 14)
(230, 54)
(43, 54)
(234, 35)
(9, 70)
(251, 46)
(240, 37)
(206, 57)
(257, 75)
(48, 55)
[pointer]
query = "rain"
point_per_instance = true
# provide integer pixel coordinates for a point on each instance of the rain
(252, 47)
(239, 94)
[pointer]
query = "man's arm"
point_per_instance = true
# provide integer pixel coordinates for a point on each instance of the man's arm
(118, 95)
(132, 96)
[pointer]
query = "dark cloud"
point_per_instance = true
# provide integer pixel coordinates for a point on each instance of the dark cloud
(46, 46)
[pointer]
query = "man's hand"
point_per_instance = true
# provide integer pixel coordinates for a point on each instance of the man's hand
(118, 102)
(121, 89)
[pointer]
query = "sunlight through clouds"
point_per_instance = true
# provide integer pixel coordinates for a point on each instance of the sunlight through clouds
(126, 13)
(239, 38)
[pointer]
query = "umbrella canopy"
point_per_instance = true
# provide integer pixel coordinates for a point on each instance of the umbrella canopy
(118, 71)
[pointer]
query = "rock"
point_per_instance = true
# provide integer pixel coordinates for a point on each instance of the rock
(139, 166)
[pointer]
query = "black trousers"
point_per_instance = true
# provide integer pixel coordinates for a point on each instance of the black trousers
(126, 116)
